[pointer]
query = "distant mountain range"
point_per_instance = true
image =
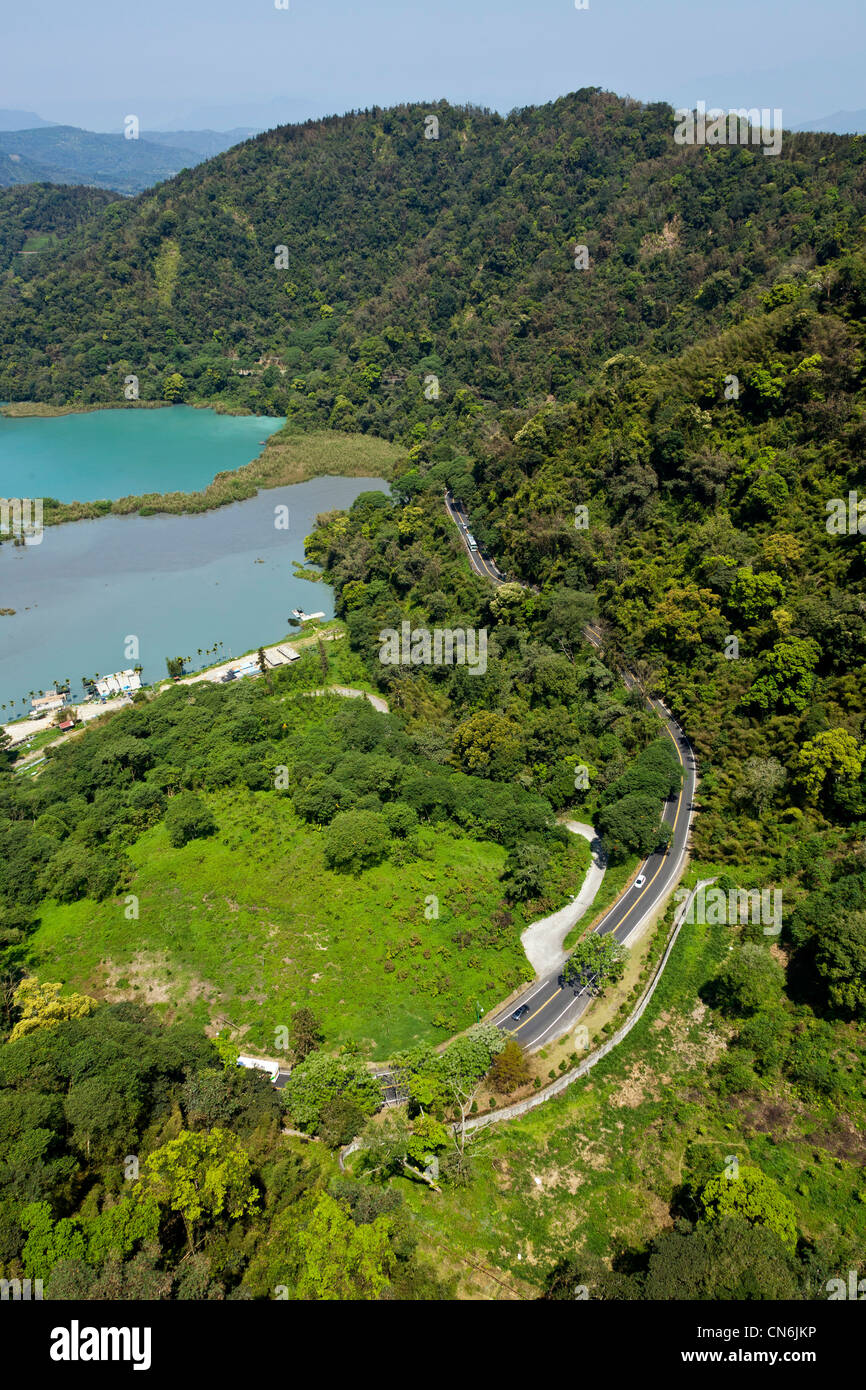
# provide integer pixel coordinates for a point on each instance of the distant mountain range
(21, 120)
(35, 151)
(840, 123)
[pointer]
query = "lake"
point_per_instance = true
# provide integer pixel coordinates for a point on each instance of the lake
(122, 453)
(176, 583)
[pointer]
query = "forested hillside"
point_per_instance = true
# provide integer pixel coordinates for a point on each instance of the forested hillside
(35, 216)
(721, 547)
(407, 257)
(712, 551)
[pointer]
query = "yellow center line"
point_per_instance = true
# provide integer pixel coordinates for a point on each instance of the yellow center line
(480, 560)
(642, 892)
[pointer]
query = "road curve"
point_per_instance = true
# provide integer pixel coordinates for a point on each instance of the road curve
(548, 1009)
(543, 940)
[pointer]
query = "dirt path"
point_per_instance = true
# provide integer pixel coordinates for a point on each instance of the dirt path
(542, 941)
(375, 700)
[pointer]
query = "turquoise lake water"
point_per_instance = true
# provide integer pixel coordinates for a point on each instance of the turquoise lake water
(175, 583)
(118, 453)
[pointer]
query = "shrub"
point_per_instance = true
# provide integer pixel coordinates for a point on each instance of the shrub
(187, 818)
(355, 840)
(339, 1122)
(510, 1067)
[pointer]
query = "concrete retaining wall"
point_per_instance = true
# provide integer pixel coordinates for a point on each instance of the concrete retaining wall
(522, 1107)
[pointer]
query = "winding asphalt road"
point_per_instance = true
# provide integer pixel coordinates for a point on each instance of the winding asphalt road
(546, 1008)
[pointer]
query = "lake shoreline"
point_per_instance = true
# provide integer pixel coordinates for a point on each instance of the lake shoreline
(117, 593)
(41, 410)
(286, 459)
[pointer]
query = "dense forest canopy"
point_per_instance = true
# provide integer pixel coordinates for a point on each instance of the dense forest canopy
(40, 214)
(407, 257)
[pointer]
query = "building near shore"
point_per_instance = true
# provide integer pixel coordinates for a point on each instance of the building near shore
(119, 683)
(46, 704)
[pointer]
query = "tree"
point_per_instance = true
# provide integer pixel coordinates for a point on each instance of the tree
(262, 662)
(401, 819)
(840, 960)
(385, 1144)
(727, 1258)
(749, 980)
(525, 873)
(42, 1006)
(630, 825)
(187, 818)
(833, 752)
(753, 1197)
(174, 388)
(112, 1233)
(320, 800)
(343, 1261)
(600, 959)
(429, 1138)
(487, 744)
(787, 675)
(202, 1177)
(510, 1068)
(510, 603)
(340, 1121)
(320, 1079)
(237, 1098)
(756, 595)
(104, 1110)
(355, 840)
(763, 779)
(76, 872)
(685, 617)
(174, 666)
(306, 1033)
(569, 612)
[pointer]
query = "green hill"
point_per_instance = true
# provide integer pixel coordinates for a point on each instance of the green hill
(408, 257)
(65, 154)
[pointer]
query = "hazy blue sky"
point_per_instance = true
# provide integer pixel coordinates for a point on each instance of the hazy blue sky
(244, 62)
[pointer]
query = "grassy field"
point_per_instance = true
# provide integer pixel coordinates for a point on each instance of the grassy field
(597, 1168)
(238, 929)
(243, 927)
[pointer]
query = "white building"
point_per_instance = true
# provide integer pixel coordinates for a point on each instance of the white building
(46, 704)
(118, 683)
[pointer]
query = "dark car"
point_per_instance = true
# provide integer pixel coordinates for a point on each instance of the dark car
(518, 1013)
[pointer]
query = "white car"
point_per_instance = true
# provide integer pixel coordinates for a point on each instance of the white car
(640, 881)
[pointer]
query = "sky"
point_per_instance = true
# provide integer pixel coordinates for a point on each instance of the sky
(224, 63)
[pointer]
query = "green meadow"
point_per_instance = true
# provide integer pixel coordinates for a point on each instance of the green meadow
(240, 929)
